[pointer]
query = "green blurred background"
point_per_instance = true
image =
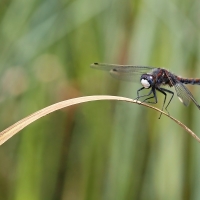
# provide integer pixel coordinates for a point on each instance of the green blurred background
(98, 150)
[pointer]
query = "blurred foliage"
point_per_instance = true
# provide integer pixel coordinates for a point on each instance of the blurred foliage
(98, 150)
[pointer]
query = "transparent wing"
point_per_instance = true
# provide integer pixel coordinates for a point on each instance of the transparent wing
(123, 72)
(184, 94)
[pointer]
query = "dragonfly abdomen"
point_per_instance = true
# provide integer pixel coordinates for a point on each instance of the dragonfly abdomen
(192, 81)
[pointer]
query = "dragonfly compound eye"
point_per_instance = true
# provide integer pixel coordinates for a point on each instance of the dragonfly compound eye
(145, 83)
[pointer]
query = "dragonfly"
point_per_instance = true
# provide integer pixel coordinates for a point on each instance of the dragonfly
(153, 79)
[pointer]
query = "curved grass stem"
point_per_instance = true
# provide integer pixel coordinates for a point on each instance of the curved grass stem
(15, 128)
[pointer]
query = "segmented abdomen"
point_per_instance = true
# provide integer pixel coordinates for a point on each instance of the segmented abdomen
(192, 81)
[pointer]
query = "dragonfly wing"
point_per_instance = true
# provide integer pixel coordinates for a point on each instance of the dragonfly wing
(184, 94)
(124, 75)
(123, 72)
(122, 68)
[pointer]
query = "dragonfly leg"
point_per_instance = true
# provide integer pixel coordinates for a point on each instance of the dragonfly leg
(160, 90)
(169, 91)
(138, 95)
(154, 96)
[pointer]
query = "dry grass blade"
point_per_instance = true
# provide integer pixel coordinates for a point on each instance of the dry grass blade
(15, 128)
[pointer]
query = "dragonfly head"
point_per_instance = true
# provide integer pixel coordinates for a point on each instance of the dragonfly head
(147, 80)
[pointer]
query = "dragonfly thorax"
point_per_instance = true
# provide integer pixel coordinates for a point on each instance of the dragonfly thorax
(146, 80)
